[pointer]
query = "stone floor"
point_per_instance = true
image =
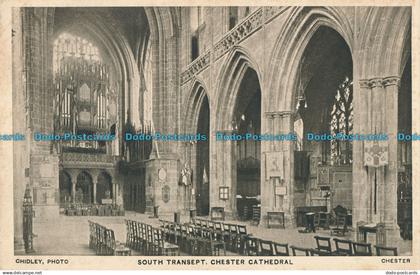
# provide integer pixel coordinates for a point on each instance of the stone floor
(70, 235)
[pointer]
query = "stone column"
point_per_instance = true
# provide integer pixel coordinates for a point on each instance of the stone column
(114, 193)
(377, 113)
(378, 121)
(226, 175)
(278, 123)
(361, 189)
(391, 85)
(95, 182)
(73, 189)
(288, 162)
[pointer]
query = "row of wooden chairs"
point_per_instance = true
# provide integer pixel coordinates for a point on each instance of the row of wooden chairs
(149, 240)
(234, 236)
(206, 237)
(101, 239)
(194, 239)
(342, 248)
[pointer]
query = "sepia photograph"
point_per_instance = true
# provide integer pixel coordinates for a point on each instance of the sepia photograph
(221, 131)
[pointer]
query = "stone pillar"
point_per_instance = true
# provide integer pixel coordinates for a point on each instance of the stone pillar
(73, 189)
(192, 151)
(73, 179)
(226, 175)
(95, 182)
(21, 149)
(114, 193)
(361, 189)
(377, 127)
(391, 85)
(162, 188)
(376, 112)
(281, 152)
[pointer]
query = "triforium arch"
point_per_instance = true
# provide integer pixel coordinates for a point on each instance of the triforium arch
(231, 95)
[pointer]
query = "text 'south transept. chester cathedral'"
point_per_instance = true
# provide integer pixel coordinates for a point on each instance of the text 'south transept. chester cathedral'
(213, 116)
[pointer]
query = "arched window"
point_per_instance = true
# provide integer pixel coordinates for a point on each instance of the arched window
(342, 122)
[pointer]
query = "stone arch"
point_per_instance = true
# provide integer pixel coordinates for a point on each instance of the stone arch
(296, 33)
(65, 186)
(84, 187)
(104, 188)
(389, 39)
(194, 101)
(233, 70)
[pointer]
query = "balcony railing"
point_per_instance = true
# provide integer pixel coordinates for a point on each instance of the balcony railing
(239, 33)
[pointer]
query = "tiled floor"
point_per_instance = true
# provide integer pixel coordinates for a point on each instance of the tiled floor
(70, 235)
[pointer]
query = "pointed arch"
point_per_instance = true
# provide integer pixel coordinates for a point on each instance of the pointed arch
(194, 102)
(229, 79)
(300, 26)
(390, 39)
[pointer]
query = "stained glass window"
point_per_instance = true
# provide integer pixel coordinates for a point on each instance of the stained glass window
(342, 122)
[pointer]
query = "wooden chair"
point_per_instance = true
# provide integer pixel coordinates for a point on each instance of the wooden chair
(210, 225)
(129, 236)
(323, 244)
(256, 215)
(234, 238)
(340, 228)
(143, 240)
(149, 240)
(343, 247)
(280, 249)
(300, 251)
(316, 252)
(385, 251)
(241, 238)
(362, 249)
(252, 246)
(91, 234)
(227, 235)
(110, 242)
(265, 248)
(101, 239)
(380, 235)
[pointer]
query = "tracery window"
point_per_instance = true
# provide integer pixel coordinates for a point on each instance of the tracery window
(341, 121)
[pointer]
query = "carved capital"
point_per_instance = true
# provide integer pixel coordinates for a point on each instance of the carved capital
(379, 82)
(364, 84)
(391, 80)
(375, 82)
(278, 114)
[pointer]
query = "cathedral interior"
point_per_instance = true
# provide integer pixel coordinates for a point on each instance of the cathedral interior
(208, 70)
